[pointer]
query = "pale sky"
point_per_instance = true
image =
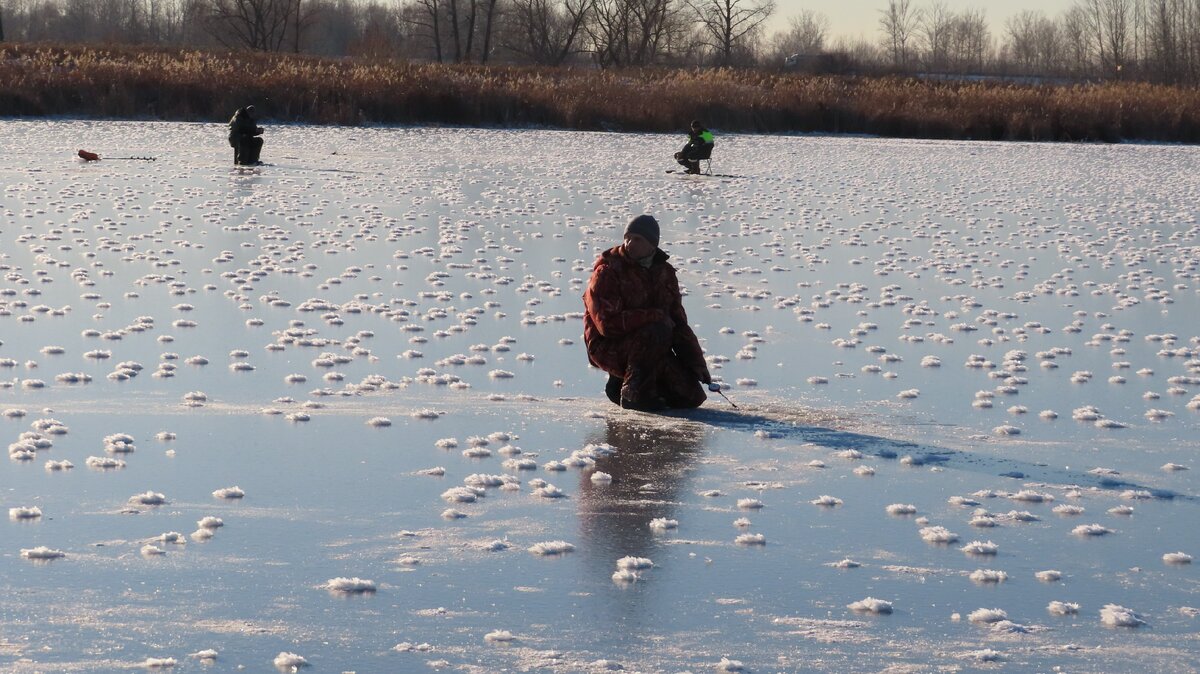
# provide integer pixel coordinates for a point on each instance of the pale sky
(854, 18)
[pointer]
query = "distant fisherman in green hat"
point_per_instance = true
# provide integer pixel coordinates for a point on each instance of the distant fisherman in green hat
(699, 146)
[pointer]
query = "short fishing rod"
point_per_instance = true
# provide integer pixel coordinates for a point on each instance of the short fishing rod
(716, 388)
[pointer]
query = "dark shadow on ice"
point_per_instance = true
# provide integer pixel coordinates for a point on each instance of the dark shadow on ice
(806, 426)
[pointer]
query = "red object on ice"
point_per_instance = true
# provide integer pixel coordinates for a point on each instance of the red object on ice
(88, 156)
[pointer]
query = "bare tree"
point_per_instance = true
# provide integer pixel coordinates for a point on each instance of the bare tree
(633, 32)
(726, 24)
(544, 31)
(1164, 19)
(970, 41)
(470, 25)
(251, 24)
(489, 23)
(934, 32)
(805, 35)
(427, 15)
(1076, 46)
(1022, 30)
(1108, 28)
(898, 22)
(1116, 15)
(380, 32)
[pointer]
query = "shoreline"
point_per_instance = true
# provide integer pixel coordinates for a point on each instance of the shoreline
(154, 84)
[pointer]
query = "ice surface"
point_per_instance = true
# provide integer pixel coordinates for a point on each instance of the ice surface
(383, 299)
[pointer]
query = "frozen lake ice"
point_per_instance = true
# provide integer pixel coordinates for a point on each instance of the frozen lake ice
(335, 414)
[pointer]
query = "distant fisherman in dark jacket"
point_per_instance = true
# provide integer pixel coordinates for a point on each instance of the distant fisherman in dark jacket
(636, 330)
(243, 136)
(699, 146)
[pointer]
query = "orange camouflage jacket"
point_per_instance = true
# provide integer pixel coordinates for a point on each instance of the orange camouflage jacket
(623, 296)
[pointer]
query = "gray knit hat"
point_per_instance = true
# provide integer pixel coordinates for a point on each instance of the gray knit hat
(646, 226)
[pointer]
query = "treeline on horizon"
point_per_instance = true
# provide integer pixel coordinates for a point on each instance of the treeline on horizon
(1093, 40)
(198, 85)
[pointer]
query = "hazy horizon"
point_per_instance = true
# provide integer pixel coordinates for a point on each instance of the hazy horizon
(855, 18)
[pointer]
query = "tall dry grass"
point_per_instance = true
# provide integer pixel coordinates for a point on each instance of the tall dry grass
(128, 82)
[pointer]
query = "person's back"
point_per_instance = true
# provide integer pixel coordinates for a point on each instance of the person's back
(243, 136)
(242, 124)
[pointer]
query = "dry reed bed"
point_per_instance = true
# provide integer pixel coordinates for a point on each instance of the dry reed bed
(127, 82)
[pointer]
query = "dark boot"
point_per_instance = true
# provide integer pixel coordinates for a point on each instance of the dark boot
(613, 389)
(639, 392)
